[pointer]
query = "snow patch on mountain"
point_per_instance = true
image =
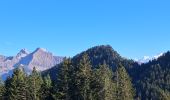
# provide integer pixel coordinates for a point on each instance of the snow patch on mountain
(146, 59)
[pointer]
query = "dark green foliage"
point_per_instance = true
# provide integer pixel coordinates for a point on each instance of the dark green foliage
(81, 79)
(35, 83)
(99, 73)
(7, 87)
(2, 90)
(102, 85)
(154, 79)
(99, 54)
(17, 86)
(47, 89)
(23, 87)
(63, 80)
(77, 81)
(105, 53)
(124, 89)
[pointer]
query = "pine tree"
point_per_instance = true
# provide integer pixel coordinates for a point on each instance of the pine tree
(35, 83)
(2, 90)
(7, 87)
(47, 88)
(81, 79)
(63, 80)
(17, 86)
(124, 89)
(103, 86)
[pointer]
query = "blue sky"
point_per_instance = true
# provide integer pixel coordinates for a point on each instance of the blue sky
(134, 28)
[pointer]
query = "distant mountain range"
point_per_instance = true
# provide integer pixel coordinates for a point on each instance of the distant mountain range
(150, 76)
(40, 58)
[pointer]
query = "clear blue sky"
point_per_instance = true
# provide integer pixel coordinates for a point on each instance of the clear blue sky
(134, 28)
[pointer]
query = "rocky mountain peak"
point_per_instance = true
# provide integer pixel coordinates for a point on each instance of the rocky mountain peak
(22, 53)
(41, 50)
(40, 58)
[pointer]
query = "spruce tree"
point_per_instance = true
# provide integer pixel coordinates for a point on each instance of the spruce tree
(35, 83)
(7, 87)
(63, 80)
(17, 86)
(124, 89)
(102, 85)
(81, 79)
(47, 88)
(2, 90)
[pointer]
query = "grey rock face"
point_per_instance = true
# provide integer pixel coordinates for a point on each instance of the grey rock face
(40, 58)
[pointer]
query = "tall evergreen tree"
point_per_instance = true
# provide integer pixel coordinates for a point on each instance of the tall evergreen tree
(2, 90)
(7, 87)
(124, 89)
(81, 79)
(47, 89)
(63, 80)
(35, 83)
(102, 85)
(17, 86)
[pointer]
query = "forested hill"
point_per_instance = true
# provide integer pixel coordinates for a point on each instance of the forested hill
(99, 73)
(98, 55)
(145, 77)
(153, 80)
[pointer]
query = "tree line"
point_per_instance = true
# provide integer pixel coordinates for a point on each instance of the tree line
(74, 81)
